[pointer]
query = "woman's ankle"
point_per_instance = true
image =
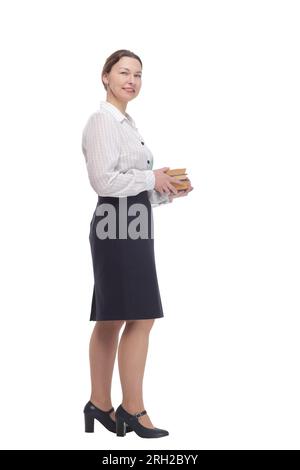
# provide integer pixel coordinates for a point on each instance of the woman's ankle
(133, 407)
(102, 405)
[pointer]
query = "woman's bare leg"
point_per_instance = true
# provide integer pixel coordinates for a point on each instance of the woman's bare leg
(102, 353)
(132, 354)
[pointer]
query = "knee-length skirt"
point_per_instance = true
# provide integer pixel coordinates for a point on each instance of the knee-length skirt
(122, 247)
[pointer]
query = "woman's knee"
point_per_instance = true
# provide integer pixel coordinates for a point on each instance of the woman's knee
(141, 325)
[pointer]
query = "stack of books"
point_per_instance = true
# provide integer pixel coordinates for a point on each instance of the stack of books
(180, 174)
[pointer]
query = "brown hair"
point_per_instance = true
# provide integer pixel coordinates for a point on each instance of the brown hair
(114, 58)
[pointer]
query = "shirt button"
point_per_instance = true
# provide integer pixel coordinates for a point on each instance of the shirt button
(142, 142)
(148, 161)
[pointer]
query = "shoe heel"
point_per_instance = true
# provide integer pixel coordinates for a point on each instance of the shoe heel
(120, 427)
(89, 423)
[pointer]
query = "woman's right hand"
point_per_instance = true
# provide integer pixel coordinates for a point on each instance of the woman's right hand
(163, 182)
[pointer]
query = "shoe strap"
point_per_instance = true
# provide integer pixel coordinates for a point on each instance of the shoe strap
(109, 411)
(142, 413)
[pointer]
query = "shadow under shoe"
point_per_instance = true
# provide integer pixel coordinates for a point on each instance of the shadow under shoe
(91, 412)
(124, 418)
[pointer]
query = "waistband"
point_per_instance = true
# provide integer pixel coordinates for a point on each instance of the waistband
(140, 197)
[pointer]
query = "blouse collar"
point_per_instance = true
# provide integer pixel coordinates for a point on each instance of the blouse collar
(116, 112)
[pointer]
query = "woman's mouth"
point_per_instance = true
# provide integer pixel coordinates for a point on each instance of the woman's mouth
(129, 90)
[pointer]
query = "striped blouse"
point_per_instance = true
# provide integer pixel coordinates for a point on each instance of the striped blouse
(118, 161)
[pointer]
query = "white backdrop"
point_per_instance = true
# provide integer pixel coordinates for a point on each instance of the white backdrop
(220, 96)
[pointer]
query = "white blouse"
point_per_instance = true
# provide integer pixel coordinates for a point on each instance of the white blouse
(118, 162)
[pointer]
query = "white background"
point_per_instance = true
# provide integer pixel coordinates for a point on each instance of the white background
(220, 96)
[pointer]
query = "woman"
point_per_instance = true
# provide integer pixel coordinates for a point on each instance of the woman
(126, 290)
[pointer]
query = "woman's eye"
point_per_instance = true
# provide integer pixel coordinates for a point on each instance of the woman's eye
(139, 76)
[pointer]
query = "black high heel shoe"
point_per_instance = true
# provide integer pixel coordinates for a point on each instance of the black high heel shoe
(91, 412)
(124, 418)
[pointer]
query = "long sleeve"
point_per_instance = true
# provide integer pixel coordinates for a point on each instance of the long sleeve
(156, 199)
(101, 148)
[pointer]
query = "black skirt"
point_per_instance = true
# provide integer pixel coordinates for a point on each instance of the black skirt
(122, 246)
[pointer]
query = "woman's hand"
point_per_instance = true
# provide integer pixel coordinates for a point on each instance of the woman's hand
(163, 182)
(182, 193)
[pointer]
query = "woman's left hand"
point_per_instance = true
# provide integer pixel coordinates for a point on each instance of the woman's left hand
(181, 193)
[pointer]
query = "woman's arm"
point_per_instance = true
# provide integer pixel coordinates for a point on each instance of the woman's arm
(101, 148)
(157, 198)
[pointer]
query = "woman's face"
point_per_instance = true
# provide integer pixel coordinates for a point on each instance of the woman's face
(125, 76)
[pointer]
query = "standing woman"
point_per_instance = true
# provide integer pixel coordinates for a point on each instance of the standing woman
(126, 289)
